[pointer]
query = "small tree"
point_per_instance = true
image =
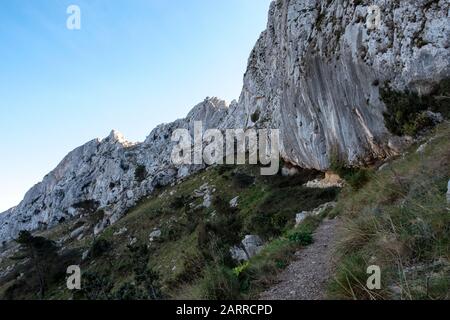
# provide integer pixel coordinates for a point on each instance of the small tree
(42, 254)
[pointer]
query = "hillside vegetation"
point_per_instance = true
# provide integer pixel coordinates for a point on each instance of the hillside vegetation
(176, 243)
(399, 221)
(193, 227)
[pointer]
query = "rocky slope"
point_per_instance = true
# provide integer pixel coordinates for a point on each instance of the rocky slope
(315, 74)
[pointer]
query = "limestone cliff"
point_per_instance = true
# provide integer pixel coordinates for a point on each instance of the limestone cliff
(315, 74)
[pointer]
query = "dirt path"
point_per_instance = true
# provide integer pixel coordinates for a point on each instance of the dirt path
(307, 276)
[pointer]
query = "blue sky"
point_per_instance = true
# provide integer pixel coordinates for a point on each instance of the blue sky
(134, 64)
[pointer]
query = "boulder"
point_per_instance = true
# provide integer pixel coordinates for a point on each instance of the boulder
(77, 232)
(234, 202)
(155, 234)
(250, 246)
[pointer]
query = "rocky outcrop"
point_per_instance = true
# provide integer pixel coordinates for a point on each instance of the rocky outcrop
(250, 246)
(107, 176)
(315, 74)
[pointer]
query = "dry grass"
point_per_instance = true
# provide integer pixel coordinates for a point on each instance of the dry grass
(399, 221)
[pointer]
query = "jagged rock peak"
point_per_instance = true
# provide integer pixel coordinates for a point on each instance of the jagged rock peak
(117, 137)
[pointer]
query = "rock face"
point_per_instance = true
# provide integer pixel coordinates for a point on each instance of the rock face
(249, 247)
(109, 176)
(315, 74)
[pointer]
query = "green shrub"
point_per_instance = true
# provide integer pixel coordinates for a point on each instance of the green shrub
(96, 286)
(140, 173)
(179, 202)
(404, 114)
(99, 247)
(219, 283)
(216, 236)
(302, 238)
(277, 212)
(255, 116)
(241, 268)
(242, 180)
(193, 266)
(355, 177)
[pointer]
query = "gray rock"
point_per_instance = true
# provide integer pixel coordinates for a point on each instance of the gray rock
(207, 200)
(383, 166)
(448, 192)
(249, 247)
(238, 253)
(397, 144)
(100, 227)
(77, 232)
(204, 192)
(422, 148)
(85, 255)
(300, 217)
(133, 241)
(155, 234)
(234, 202)
(436, 118)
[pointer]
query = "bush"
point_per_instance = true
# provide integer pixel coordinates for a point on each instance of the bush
(179, 202)
(147, 281)
(99, 247)
(242, 180)
(302, 238)
(269, 224)
(218, 235)
(404, 113)
(277, 212)
(140, 173)
(192, 269)
(96, 286)
(219, 283)
(355, 177)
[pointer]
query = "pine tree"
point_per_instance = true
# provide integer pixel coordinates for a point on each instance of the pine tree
(41, 252)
